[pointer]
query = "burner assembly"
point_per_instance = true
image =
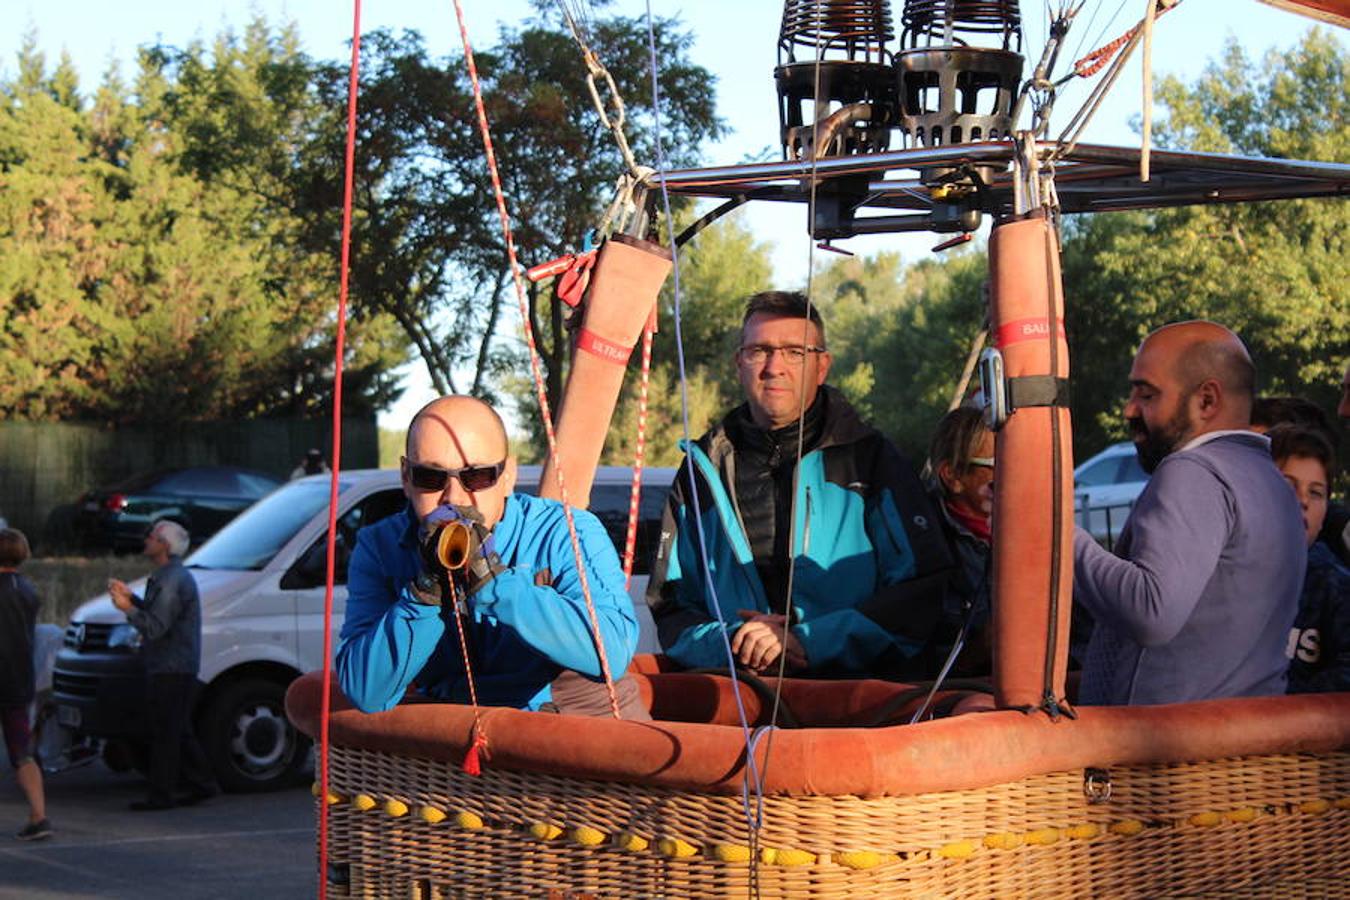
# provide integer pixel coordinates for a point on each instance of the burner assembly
(840, 97)
(951, 90)
(842, 92)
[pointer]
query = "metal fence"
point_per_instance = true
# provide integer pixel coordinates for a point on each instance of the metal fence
(1102, 522)
(46, 466)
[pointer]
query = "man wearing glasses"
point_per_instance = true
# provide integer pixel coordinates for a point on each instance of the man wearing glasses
(528, 634)
(794, 496)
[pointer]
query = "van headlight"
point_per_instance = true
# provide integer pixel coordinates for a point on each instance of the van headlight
(124, 635)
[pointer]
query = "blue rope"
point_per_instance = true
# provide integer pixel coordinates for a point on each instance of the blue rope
(752, 819)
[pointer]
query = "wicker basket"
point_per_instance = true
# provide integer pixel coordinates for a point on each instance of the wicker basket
(1256, 826)
(1227, 798)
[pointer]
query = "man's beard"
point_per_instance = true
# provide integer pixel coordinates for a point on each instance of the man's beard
(1157, 443)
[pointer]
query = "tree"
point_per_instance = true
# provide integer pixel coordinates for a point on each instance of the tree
(428, 248)
(1275, 272)
(248, 113)
(149, 265)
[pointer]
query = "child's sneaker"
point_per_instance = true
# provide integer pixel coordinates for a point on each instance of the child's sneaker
(35, 831)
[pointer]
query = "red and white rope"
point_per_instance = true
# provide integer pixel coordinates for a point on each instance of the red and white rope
(639, 452)
(535, 369)
(1094, 62)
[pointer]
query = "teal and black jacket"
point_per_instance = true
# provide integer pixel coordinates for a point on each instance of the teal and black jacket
(871, 561)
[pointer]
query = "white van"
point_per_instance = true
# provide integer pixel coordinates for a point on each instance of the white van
(261, 580)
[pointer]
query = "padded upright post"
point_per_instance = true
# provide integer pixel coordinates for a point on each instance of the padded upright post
(1033, 474)
(628, 276)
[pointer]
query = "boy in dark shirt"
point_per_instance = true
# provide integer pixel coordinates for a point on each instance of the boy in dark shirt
(1319, 644)
(18, 621)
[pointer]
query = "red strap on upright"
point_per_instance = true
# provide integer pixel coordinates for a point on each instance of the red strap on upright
(1019, 330)
(604, 348)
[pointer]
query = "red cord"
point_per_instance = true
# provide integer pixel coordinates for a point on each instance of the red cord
(635, 494)
(478, 740)
(1092, 63)
(540, 393)
(336, 453)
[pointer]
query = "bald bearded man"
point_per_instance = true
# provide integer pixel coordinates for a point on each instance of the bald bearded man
(529, 635)
(1198, 601)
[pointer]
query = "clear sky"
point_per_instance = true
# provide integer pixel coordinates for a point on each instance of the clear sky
(735, 39)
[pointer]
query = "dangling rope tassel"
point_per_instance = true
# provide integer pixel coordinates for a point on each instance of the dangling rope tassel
(535, 368)
(471, 764)
(635, 493)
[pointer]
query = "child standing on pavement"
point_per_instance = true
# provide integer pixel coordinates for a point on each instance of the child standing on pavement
(18, 621)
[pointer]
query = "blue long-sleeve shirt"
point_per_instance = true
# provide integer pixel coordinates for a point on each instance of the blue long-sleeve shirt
(1199, 602)
(521, 633)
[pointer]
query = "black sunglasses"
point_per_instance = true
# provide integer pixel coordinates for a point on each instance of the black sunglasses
(434, 478)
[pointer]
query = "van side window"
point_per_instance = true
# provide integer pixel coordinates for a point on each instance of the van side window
(609, 502)
(377, 506)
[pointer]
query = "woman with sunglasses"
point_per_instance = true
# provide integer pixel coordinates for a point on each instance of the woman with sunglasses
(960, 476)
(529, 636)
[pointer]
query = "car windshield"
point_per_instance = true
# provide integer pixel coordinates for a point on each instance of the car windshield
(252, 539)
(1132, 471)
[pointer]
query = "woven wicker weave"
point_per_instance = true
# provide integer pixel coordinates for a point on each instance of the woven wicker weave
(1262, 826)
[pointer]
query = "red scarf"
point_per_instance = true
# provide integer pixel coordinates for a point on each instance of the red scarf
(976, 525)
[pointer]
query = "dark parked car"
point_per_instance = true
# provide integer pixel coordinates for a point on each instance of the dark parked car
(201, 498)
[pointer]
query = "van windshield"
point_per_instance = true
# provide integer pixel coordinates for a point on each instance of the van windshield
(252, 539)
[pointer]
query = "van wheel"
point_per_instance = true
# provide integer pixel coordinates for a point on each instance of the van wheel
(249, 741)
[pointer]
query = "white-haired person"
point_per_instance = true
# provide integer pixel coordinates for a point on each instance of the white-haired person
(169, 618)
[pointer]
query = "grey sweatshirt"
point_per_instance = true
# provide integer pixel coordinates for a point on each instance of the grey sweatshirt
(1199, 602)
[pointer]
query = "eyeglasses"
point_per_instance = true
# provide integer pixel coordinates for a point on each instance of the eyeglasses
(758, 354)
(435, 479)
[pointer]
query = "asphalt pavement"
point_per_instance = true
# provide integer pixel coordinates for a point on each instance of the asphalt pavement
(253, 846)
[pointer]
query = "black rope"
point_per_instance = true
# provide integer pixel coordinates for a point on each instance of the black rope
(762, 690)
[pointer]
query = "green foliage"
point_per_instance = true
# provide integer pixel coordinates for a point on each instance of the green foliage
(151, 268)
(427, 241)
(900, 336)
(1276, 273)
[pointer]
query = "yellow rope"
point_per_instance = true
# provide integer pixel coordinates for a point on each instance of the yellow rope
(678, 848)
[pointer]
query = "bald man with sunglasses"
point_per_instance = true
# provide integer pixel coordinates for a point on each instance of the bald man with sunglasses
(529, 636)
